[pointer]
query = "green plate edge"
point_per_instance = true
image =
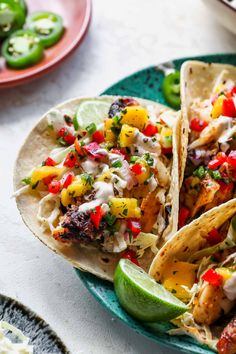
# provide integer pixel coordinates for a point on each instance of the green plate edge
(147, 84)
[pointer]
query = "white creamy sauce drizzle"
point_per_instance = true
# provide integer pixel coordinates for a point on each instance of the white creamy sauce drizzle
(230, 287)
(56, 119)
(147, 143)
(103, 192)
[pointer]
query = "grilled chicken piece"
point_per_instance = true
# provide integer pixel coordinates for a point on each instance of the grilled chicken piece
(212, 132)
(210, 304)
(209, 187)
(150, 208)
(227, 341)
(220, 197)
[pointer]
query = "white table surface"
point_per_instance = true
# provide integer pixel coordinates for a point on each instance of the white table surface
(125, 35)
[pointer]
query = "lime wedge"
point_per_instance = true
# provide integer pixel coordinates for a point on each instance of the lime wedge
(92, 111)
(142, 297)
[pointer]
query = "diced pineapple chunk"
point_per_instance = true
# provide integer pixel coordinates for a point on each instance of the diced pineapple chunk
(217, 107)
(105, 177)
(166, 137)
(45, 171)
(178, 274)
(108, 133)
(125, 208)
(127, 135)
(142, 177)
(225, 273)
(80, 186)
(66, 199)
(135, 116)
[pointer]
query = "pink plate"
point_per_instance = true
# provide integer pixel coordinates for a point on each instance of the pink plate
(76, 15)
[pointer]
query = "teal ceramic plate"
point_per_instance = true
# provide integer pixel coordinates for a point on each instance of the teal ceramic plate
(147, 84)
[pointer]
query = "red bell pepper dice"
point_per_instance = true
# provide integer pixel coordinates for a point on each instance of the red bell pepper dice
(214, 237)
(228, 108)
(54, 187)
(134, 226)
(66, 136)
(150, 130)
(96, 216)
(49, 162)
(198, 125)
(137, 169)
(212, 277)
(131, 255)
(98, 137)
(183, 216)
(68, 180)
(70, 160)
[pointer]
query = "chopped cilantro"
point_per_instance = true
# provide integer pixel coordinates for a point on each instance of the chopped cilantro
(88, 179)
(149, 159)
(26, 180)
(91, 128)
(61, 141)
(200, 172)
(117, 163)
(110, 219)
(75, 122)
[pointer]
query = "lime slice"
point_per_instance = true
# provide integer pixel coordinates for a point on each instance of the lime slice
(142, 297)
(92, 111)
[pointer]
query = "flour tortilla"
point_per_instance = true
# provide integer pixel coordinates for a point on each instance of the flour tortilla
(197, 82)
(88, 258)
(191, 238)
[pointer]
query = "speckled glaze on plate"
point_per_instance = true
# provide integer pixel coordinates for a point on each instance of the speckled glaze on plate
(147, 84)
(42, 337)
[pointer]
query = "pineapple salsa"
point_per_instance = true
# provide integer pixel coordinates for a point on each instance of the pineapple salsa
(106, 183)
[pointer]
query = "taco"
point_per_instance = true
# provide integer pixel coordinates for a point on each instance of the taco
(198, 265)
(208, 140)
(94, 192)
